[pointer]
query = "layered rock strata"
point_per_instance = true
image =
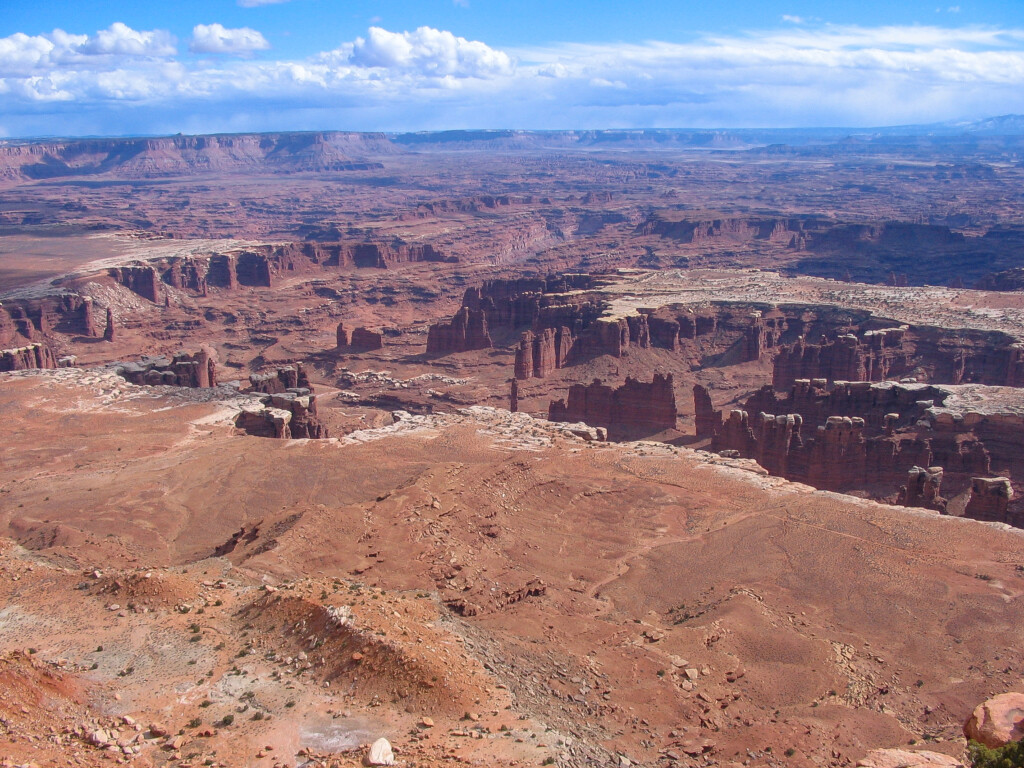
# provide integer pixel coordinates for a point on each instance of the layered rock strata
(36, 355)
(881, 437)
(635, 409)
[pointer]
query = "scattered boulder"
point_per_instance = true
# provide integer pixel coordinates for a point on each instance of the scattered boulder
(380, 753)
(997, 721)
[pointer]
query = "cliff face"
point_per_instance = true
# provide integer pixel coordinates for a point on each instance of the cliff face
(939, 355)
(735, 230)
(636, 409)
(26, 320)
(35, 355)
(875, 437)
(136, 158)
(467, 330)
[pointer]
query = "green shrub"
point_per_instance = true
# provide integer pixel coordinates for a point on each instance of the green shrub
(1010, 756)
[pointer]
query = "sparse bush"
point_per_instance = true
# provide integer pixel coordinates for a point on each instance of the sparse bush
(205, 703)
(1010, 756)
(227, 720)
(195, 722)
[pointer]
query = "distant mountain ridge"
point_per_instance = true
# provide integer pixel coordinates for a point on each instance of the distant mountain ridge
(340, 151)
(143, 158)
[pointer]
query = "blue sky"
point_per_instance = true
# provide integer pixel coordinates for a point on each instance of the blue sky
(116, 68)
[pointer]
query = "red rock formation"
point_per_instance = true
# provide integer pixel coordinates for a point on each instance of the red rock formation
(28, 319)
(708, 420)
(937, 354)
(342, 335)
(183, 370)
(108, 334)
(283, 379)
(222, 272)
(636, 409)
(924, 489)
(513, 396)
(467, 330)
(900, 429)
(139, 278)
(36, 355)
(990, 499)
(538, 354)
(283, 415)
(365, 340)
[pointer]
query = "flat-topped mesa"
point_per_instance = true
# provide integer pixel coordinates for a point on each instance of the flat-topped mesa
(990, 500)
(182, 370)
(31, 356)
(283, 379)
(734, 229)
(634, 410)
(359, 340)
(365, 340)
(924, 489)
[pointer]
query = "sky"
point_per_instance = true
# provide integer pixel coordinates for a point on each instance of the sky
(77, 68)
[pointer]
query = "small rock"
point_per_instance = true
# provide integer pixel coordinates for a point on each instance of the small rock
(426, 722)
(381, 753)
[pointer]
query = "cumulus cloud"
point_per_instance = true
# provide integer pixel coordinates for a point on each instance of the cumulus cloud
(429, 51)
(806, 74)
(122, 39)
(215, 38)
(22, 54)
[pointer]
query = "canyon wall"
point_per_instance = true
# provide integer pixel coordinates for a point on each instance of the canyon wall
(635, 409)
(901, 442)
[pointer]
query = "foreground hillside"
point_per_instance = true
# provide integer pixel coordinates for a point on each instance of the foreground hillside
(476, 586)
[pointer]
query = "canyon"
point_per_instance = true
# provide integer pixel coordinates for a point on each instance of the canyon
(622, 448)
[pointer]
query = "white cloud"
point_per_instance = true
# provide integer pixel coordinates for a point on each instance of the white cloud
(215, 38)
(122, 39)
(257, 3)
(429, 51)
(808, 74)
(792, 19)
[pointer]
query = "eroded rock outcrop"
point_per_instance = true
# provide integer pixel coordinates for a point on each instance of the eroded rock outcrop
(466, 331)
(635, 409)
(989, 500)
(138, 278)
(708, 420)
(36, 355)
(938, 355)
(181, 370)
(924, 488)
(283, 415)
(109, 332)
(902, 442)
(283, 379)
